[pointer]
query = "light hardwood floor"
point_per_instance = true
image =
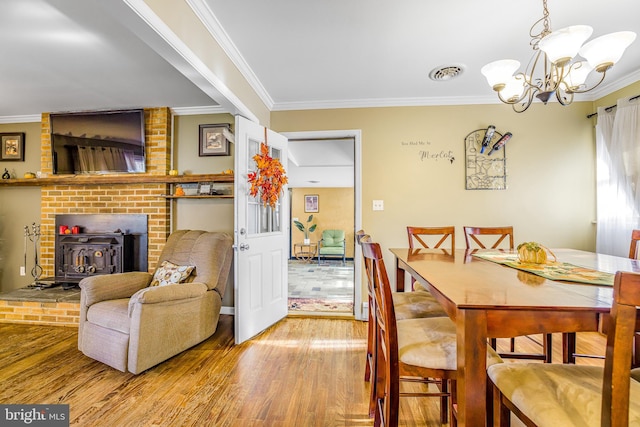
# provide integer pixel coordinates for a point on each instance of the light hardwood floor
(301, 372)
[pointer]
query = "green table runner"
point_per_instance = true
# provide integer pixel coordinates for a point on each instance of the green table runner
(551, 270)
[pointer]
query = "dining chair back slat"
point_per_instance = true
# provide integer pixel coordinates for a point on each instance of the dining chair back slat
(471, 236)
(418, 235)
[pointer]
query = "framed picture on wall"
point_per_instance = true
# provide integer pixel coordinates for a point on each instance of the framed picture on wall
(12, 146)
(311, 203)
(214, 139)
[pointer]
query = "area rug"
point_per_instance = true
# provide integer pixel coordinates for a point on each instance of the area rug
(322, 305)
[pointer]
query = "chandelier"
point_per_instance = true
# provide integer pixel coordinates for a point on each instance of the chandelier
(554, 67)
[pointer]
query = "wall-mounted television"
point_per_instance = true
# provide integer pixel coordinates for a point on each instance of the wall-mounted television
(98, 142)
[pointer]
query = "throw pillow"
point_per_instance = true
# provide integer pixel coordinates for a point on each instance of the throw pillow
(170, 274)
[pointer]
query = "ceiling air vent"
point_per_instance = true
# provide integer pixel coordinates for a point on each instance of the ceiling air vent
(445, 73)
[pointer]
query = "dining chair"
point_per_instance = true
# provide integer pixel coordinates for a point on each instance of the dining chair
(420, 348)
(633, 254)
(578, 395)
(633, 249)
(418, 238)
(408, 305)
(503, 237)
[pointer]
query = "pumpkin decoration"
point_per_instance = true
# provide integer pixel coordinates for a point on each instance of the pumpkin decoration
(533, 253)
(269, 178)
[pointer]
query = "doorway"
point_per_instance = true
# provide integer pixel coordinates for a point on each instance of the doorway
(324, 189)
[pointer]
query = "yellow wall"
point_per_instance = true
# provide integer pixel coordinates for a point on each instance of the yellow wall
(19, 206)
(202, 214)
(550, 163)
(335, 212)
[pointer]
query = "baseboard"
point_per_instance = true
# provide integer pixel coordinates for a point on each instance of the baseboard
(228, 310)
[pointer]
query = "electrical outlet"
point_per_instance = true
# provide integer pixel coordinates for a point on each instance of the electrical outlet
(23, 271)
(378, 205)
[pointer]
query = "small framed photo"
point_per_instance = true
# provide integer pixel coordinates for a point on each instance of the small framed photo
(12, 146)
(214, 139)
(311, 203)
(204, 188)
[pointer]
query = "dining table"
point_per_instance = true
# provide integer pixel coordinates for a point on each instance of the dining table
(488, 299)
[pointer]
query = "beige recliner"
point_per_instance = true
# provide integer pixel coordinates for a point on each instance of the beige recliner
(130, 325)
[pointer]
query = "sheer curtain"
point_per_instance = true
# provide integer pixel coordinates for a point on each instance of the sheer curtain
(618, 177)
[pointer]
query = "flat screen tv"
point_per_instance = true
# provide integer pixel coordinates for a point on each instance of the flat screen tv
(98, 142)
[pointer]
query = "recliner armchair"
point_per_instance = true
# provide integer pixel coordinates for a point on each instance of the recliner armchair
(332, 244)
(130, 325)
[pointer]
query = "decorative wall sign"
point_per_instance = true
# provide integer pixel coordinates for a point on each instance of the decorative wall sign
(485, 159)
(426, 152)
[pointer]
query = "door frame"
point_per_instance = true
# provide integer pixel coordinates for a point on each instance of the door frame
(359, 310)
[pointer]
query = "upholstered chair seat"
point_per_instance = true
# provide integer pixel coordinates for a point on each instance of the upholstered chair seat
(559, 395)
(411, 305)
(431, 342)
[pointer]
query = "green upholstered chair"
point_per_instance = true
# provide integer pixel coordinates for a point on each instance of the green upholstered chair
(332, 244)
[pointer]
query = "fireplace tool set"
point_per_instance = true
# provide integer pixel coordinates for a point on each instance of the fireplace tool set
(33, 235)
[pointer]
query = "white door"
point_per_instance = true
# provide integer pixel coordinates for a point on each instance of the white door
(261, 238)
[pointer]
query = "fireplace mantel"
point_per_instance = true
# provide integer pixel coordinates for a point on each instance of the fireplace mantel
(115, 179)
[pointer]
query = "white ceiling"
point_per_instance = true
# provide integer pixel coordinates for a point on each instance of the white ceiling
(69, 55)
(64, 55)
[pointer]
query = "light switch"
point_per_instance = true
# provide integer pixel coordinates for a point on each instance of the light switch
(378, 205)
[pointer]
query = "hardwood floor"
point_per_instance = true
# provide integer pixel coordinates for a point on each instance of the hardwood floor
(301, 372)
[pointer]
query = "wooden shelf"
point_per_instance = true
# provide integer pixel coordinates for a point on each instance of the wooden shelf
(213, 196)
(117, 180)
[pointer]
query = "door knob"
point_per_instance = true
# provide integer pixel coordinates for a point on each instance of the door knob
(244, 246)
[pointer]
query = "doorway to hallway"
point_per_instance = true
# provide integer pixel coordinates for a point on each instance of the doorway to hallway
(324, 168)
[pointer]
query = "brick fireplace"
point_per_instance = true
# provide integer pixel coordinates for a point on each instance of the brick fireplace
(111, 199)
(146, 199)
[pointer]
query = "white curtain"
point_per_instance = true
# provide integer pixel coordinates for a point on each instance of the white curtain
(618, 177)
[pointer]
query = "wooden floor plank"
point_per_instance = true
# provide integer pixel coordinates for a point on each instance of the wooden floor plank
(301, 372)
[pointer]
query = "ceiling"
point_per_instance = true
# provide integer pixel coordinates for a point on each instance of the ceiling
(67, 55)
(61, 55)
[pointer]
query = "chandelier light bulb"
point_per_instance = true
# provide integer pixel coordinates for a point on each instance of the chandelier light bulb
(603, 52)
(578, 75)
(499, 72)
(513, 89)
(562, 45)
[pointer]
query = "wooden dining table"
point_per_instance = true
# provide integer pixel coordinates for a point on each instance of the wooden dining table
(489, 300)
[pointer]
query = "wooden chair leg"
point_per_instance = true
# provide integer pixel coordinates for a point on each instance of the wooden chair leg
(453, 403)
(501, 414)
(444, 402)
(513, 345)
(636, 351)
(547, 347)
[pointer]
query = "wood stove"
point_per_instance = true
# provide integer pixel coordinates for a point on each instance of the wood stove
(82, 255)
(93, 244)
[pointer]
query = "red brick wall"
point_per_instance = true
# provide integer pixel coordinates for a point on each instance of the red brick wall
(105, 199)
